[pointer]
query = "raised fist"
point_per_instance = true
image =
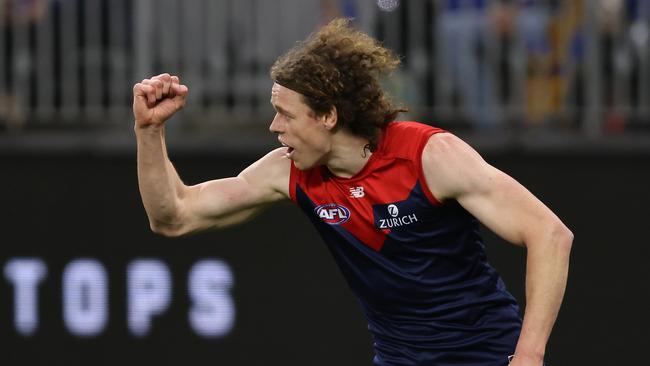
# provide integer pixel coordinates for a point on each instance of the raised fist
(155, 100)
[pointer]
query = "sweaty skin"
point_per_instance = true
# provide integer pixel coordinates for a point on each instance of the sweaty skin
(453, 171)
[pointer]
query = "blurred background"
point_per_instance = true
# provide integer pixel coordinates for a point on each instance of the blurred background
(555, 93)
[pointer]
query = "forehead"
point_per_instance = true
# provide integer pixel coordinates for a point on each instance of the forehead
(284, 95)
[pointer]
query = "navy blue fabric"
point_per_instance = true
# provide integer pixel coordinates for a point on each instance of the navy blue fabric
(429, 295)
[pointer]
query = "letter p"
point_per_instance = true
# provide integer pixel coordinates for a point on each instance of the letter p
(149, 292)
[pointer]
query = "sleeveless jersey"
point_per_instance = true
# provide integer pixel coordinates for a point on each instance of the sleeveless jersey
(417, 266)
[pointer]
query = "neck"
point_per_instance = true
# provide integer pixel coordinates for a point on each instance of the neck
(348, 156)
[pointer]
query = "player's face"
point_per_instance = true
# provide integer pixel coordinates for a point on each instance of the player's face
(306, 136)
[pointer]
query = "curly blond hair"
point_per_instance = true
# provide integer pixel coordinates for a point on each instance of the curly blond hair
(338, 66)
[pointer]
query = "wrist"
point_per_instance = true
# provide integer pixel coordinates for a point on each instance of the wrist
(535, 357)
(139, 127)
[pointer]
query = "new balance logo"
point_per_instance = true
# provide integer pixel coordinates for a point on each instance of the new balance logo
(356, 192)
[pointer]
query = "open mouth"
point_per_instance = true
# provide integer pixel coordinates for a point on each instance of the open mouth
(289, 153)
(289, 148)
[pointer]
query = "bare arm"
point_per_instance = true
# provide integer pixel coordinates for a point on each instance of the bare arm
(176, 209)
(453, 170)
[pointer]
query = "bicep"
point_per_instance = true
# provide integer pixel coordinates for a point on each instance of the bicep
(505, 206)
(224, 202)
(456, 171)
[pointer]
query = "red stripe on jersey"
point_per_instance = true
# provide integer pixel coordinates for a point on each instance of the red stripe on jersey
(388, 176)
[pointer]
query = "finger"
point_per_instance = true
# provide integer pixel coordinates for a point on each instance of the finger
(166, 80)
(162, 76)
(151, 96)
(146, 91)
(151, 83)
(150, 89)
(173, 87)
(166, 85)
(180, 90)
(181, 95)
(138, 90)
(158, 84)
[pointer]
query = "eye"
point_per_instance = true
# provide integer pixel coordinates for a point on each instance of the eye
(286, 116)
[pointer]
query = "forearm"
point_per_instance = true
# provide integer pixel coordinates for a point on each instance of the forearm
(160, 187)
(546, 277)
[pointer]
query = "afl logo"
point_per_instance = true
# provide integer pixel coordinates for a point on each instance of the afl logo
(393, 211)
(332, 213)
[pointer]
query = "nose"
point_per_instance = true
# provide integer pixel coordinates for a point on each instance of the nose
(276, 124)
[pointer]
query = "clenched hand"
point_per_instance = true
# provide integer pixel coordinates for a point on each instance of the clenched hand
(155, 100)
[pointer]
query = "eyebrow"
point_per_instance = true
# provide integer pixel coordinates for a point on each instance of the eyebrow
(282, 110)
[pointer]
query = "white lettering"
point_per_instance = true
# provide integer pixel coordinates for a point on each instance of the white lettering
(85, 304)
(397, 221)
(85, 293)
(213, 310)
(149, 292)
(25, 274)
(324, 214)
(333, 212)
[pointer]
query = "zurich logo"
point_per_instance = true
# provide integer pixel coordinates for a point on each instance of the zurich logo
(393, 211)
(395, 221)
(332, 213)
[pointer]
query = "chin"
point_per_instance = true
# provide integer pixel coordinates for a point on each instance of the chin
(302, 166)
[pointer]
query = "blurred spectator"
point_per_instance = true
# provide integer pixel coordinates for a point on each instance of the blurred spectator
(503, 22)
(497, 60)
(363, 12)
(550, 39)
(16, 16)
(624, 45)
(616, 61)
(467, 77)
(567, 34)
(521, 29)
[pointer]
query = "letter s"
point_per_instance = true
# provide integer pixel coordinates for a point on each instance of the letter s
(213, 311)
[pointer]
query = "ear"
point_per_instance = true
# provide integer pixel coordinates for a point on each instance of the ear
(330, 119)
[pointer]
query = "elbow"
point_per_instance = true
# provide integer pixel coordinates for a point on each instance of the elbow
(166, 229)
(554, 236)
(563, 237)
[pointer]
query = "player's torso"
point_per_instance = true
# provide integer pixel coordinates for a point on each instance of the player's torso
(418, 266)
(388, 200)
(391, 237)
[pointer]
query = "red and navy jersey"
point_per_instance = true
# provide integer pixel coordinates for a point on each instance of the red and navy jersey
(417, 265)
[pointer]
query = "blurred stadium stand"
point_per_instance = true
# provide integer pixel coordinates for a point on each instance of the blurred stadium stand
(520, 73)
(554, 93)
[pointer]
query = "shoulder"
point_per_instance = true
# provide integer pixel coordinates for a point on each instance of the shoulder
(398, 129)
(275, 161)
(443, 146)
(406, 138)
(450, 165)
